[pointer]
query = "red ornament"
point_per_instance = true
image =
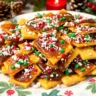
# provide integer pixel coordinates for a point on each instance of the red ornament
(52, 49)
(94, 7)
(10, 92)
(89, 4)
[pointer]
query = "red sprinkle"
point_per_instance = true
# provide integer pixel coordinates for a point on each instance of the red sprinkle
(35, 70)
(48, 35)
(64, 56)
(49, 70)
(42, 25)
(28, 44)
(52, 49)
(23, 57)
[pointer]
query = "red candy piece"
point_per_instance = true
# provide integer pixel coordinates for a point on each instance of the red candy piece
(23, 57)
(48, 35)
(42, 25)
(52, 49)
(64, 56)
(49, 70)
(28, 44)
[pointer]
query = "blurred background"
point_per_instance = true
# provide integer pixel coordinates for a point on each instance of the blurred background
(11, 8)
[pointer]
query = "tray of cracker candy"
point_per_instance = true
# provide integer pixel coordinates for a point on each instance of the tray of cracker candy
(50, 49)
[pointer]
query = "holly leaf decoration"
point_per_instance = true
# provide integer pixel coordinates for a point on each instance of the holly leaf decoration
(23, 93)
(45, 94)
(92, 1)
(92, 87)
(4, 86)
(52, 93)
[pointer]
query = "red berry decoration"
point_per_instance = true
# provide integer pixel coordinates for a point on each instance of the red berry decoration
(94, 7)
(10, 92)
(89, 4)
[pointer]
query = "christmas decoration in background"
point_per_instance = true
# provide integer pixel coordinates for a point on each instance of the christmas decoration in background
(38, 5)
(77, 5)
(10, 7)
(91, 7)
(88, 6)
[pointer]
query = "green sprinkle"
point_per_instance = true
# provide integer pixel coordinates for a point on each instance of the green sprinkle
(52, 35)
(54, 73)
(84, 62)
(5, 37)
(12, 31)
(72, 35)
(48, 20)
(25, 63)
(46, 79)
(87, 36)
(82, 69)
(60, 28)
(66, 29)
(67, 73)
(51, 25)
(32, 22)
(76, 66)
(51, 45)
(39, 15)
(33, 49)
(42, 55)
(62, 50)
(19, 62)
(44, 29)
(63, 18)
(13, 67)
(20, 35)
(18, 30)
(16, 27)
(37, 53)
(91, 35)
(69, 19)
(62, 41)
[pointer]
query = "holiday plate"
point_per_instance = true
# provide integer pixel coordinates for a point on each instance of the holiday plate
(85, 88)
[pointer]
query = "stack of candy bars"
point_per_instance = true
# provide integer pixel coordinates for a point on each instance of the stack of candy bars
(50, 49)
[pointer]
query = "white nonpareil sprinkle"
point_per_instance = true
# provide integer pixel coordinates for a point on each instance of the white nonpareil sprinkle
(79, 63)
(69, 70)
(51, 75)
(17, 65)
(21, 60)
(26, 70)
(37, 85)
(27, 48)
(66, 23)
(14, 57)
